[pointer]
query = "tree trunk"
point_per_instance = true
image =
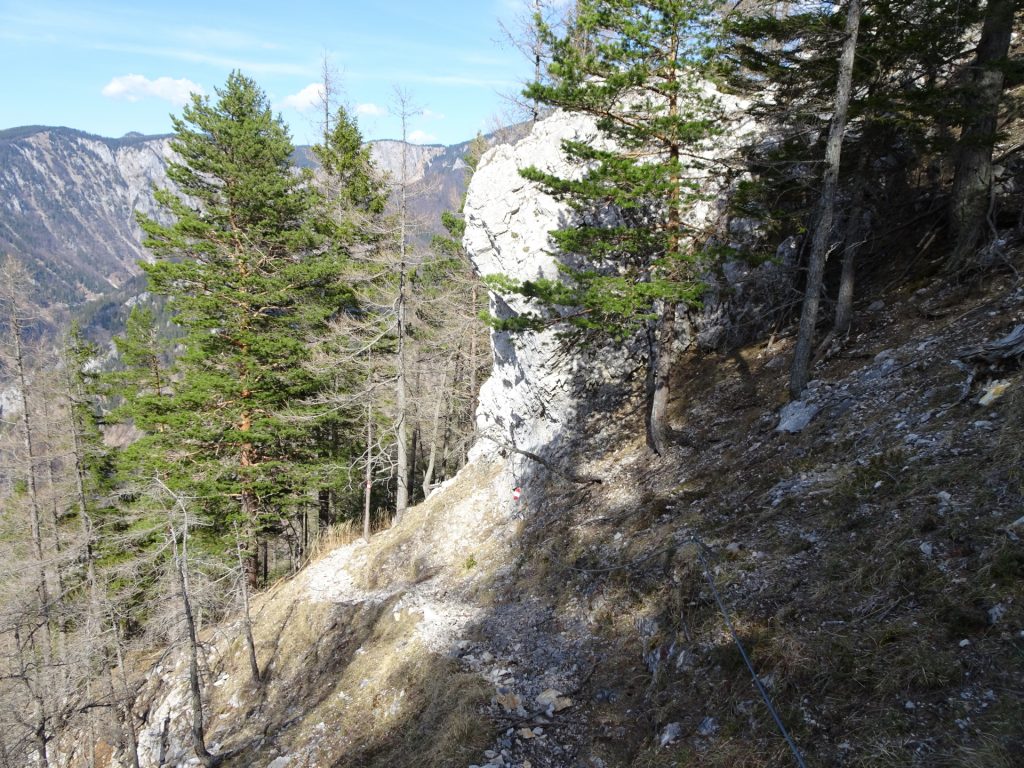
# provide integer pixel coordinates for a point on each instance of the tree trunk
(38, 696)
(473, 363)
(35, 514)
(661, 354)
(198, 730)
(538, 57)
(401, 447)
(410, 483)
(368, 486)
(983, 88)
(428, 473)
(854, 232)
(324, 509)
(250, 644)
(664, 344)
(248, 502)
(450, 416)
(800, 371)
(125, 698)
(14, 281)
(61, 617)
(474, 393)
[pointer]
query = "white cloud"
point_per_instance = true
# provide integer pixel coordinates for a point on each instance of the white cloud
(136, 87)
(430, 114)
(310, 96)
(371, 110)
(422, 137)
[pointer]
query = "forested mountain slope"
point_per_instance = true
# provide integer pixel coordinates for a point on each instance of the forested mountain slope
(870, 564)
(863, 547)
(68, 202)
(743, 487)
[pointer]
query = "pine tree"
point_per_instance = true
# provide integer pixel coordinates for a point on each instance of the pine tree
(143, 380)
(800, 371)
(250, 279)
(642, 78)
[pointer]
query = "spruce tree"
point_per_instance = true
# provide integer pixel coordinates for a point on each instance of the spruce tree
(642, 76)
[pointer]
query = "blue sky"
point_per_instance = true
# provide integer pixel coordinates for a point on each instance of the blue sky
(109, 67)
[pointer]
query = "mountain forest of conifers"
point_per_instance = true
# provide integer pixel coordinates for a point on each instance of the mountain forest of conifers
(303, 365)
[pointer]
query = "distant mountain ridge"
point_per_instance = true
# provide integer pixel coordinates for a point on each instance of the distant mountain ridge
(67, 207)
(68, 201)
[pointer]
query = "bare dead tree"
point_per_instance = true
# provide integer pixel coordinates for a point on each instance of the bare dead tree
(180, 553)
(14, 282)
(254, 667)
(525, 33)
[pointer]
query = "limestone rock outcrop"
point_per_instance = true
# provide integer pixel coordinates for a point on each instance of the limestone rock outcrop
(533, 391)
(539, 387)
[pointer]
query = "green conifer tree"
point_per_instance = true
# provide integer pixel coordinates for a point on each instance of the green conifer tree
(250, 278)
(641, 75)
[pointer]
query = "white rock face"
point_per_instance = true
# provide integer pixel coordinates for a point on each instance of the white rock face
(537, 390)
(531, 394)
(387, 157)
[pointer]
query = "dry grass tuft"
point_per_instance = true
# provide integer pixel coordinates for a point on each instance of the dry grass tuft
(337, 535)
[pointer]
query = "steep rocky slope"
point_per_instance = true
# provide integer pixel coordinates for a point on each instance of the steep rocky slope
(869, 560)
(68, 201)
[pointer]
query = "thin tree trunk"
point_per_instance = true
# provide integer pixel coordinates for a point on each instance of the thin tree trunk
(402, 457)
(800, 371)
(248, 499)
(265, 546)
(127, 717)
(428, 473)
(413, 450)
(473, 365)
(35, 515)
(983, 90)
(663, 356)
(844, 300)
(12, 284)
(401, 447)
(474, 388)
(368, 485)
(74, 393)
(662, 353)
(538, 60)
(254, 667)
(450, 415)
(55, 515)
(39, 698)
(198, 730)
(324, 509)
